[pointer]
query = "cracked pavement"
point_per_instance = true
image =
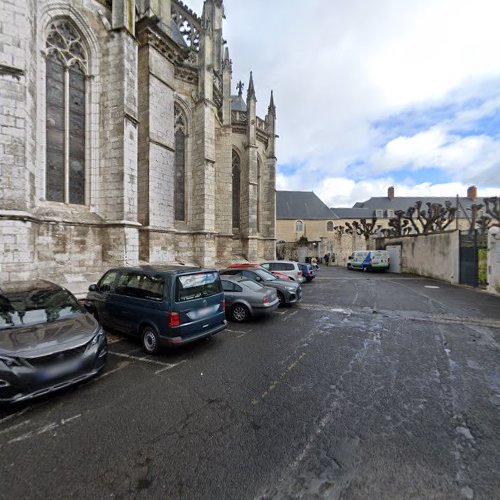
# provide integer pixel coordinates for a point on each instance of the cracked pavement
(374, 386)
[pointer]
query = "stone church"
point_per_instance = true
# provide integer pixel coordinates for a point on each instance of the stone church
(120, 141)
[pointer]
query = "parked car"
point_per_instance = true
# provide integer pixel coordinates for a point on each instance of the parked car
(279, 275)
(288, 267)
(307, 271)
(369, 260)
(161, 305)
(288, 291)
(48, 341)
(246, 298)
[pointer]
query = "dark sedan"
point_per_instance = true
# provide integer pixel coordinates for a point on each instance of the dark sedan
(288, 291)
(47, 341)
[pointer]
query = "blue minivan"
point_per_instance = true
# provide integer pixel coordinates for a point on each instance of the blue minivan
(161, 305)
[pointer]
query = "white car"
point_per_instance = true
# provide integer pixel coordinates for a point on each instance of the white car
(288, 267)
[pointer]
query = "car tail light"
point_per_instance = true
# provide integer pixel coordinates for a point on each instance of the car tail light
(224, 305)
(300, 273)
(174, 319)
(266, 299)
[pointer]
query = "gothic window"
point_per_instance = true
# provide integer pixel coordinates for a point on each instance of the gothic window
(180, 164)
(259, 215)
(299, 226)
(329, 226)
(236, 190)
(66, 75)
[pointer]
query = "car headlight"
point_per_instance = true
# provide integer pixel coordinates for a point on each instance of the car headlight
(10, 362)
(98, 336)
(291, 288)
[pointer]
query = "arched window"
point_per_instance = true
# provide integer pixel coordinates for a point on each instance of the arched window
(299, 226)
(66, 83)
(180, 164)
(236, 190)
(329, 226)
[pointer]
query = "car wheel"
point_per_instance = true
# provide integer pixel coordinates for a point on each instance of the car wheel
(240, 313)
(281, 299)
(150, 340)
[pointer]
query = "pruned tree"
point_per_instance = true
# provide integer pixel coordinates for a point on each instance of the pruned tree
(339, 230)
(363, 228)
(493, 210)
(420, 220)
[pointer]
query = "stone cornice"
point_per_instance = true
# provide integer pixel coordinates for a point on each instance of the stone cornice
(149, 33)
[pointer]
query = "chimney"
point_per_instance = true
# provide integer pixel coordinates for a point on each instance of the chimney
(390, 193)
(472, 193)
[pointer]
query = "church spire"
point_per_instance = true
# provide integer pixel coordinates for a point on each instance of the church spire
(272, 108)
(251, 89)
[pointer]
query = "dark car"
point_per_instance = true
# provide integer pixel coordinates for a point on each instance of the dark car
(288, 291)
(47, 341)
(307, 271)
(161, 305)
(246, 298)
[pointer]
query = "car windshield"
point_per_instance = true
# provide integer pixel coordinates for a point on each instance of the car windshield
(253, 285)
(197, 286)
(19, 309)
(265, 275)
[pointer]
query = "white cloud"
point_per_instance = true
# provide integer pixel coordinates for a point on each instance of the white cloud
(338, 66)
(344, 192)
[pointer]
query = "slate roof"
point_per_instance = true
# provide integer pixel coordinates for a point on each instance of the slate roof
(352, 213)
(237, 103)
(300, 205)
(405, 202)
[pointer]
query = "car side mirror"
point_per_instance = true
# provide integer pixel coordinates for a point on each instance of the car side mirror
(93, 288)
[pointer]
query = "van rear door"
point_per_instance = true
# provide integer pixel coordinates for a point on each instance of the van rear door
(198, 299)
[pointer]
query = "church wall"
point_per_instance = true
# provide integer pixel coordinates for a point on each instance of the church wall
(129, 210)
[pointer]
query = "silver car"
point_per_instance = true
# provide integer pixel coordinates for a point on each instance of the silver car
(246, 298)
(288, 267)
(288, 291)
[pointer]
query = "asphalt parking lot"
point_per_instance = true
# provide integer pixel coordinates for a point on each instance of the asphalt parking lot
(374, 386)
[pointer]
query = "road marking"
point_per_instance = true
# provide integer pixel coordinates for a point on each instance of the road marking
(243, 333)
(42, 430)
(14, 427)
(144, 359)
(169, 367)
(14, 415)
(120, 366)
(280, 379)
(137, 358)
(286, 318)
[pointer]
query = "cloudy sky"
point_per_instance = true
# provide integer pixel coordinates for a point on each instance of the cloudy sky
(373, 93)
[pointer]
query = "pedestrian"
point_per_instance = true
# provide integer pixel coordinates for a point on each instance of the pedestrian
(327, 259)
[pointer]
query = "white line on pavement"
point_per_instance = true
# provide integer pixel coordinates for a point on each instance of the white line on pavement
(169, 367)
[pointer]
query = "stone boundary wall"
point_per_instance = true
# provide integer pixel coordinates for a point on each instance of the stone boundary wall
(431, 255)
(494, 261)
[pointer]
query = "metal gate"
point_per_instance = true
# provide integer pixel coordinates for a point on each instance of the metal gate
(473, 258)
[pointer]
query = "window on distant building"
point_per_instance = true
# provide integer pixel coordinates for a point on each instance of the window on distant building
(379, 213)
(329, 226)
(390, 213)
(299, 226)
(66, 86)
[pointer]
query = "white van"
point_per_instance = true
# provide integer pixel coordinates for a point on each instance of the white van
(369, 260)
